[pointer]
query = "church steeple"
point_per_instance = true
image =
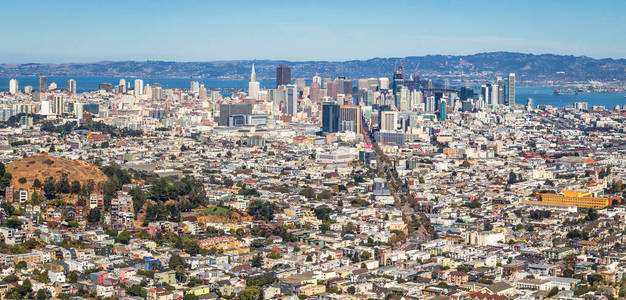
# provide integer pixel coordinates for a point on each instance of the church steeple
(253, 75)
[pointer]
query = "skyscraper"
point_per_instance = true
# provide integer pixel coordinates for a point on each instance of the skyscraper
(71, 86)
(501, 90)
(283, 75)
(138, 87)
(350, 118)
(388, 120)
(330, 117)
(13, 86)
(253, 85)
(443, 113)
(398, 79)
(58, 106)
(511, 89)
(291, 95)
(43, 83)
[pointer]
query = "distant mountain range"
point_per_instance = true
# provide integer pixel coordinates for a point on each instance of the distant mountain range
(528, 67)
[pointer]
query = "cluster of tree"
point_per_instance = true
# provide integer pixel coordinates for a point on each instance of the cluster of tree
(577, 234)
(52, 188)
(514, 178)
(5, 177)
(99, 126)
(116, 179)
(14, 121)
(323, 212)
(262, 210)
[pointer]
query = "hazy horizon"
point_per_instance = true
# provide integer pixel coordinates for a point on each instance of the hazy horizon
(192, 31)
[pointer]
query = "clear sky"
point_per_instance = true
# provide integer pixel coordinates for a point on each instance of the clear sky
(205, 30)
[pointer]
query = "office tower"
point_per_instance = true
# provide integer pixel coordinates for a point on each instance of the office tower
(13, 86)
(347, 87)
(511, 90)
(291, 97)
(430, 105)
(501, 90)
(330, 117)
(283, 75)
(372, 84)
(362, 84)
(300, 83)
(494, 94)
(78, 110)
(466, 93)
(443, 109)
(138, 87)
(350, 118)
(253, 85)
(315, 92)
(484, 92)
(388, 120)
(71, 86)
(402, 98)
(398, 79)
(28, 89)
(58, 105)
(317, 79)
(227, 110)
(332, 90)
(121, 87)
(383, 83)
(43, 83)
(107, 87)
(157, 92)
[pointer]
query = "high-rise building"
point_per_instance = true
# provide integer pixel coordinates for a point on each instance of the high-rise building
(122, 86)
(138, 87)
(291, 96)
(350, 118)
(58, 105)
(13, 86)
(501, 90)
(43, 83)
(330, 117)
(493, 89)
(388, 120)
(71, 86)
(227, 110)
(443, 106)
(253, 85)
(383, 83)
(315, 92)
(283, 75)
(398, 79)
(511, 90)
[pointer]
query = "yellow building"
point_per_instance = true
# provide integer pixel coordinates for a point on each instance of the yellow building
(575, 198)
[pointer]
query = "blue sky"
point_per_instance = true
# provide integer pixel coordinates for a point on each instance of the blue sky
(87, 31)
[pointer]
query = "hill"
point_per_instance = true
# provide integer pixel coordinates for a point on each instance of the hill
(528, 67)
(42, 166)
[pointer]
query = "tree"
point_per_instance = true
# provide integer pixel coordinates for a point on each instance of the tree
(63, 186)
(262, 210)
(257, 261)
(123, 237)
(49, 188)
(75, 187)
(553, 292)
(323, 212)
(190, 297)
(21, 265)
(592, 214)
(94, 215)
(14, 223)
(176, 262)
(351, 290)
(250, 293)
(308, 192)
(36, 183)
(41, 294)
(22, 180)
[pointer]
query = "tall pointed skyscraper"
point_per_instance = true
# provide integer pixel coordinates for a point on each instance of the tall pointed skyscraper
(253, 85)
